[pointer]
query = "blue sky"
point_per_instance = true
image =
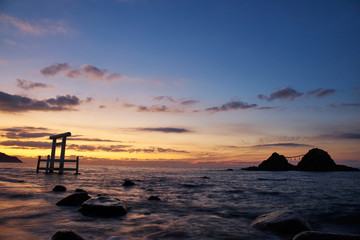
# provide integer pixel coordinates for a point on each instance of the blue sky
(248, 73)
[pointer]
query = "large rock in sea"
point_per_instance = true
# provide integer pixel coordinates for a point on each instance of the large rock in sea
(313, 235)
(281, 222)
(275, 162)
(104, 206)
(7, 158)
(319, 160)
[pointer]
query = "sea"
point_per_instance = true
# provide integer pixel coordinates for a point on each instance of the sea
(196, 203)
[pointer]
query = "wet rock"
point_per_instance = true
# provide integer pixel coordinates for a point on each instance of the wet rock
(154, 198)
(205, 177)
(128, 183)
(59, 188)
(104, 206)
(74, 199)
(281, 222)
(229, 169)
(312, 235)
(67, 235)
(80, 190)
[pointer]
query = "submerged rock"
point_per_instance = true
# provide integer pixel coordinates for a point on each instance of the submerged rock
(104, 206)
(74, 199)
(281, 222)
(154, 198)
(313, 235)
(128, 183)
(59, 188)
(67, 235)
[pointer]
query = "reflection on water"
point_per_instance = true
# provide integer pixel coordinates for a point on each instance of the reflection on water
(219, 206)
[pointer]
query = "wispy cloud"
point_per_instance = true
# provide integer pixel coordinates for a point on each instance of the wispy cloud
(26, 144)
(174, 100)
(39, 28)
(16, 103)
(231, 105)
(282, 145)
(320, 92)
(25, 132)
(345, 105)
(165, 130)
(27, 85)
(282, 94)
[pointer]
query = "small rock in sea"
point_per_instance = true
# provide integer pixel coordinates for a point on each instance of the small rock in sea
(74, 199)
(313, 235)
(104, 206)
(281, 222)
(59, 188)
(67, 235)
(128, 183)
(154, 198)
(229, 169)
(205, 177)
(80, 190)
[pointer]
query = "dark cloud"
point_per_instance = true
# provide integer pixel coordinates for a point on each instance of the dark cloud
(166, 130)
(156, 150)
(92, 72)
(16, 103)
(166, 98)
(188, 102)
(320, 92)
(283, 145)
(54, 69)
(26, 144)
(27, 85)
(91, 139)
(232, 105)
(156, 108)
(283, 94)
(337, 135)
(25, 132)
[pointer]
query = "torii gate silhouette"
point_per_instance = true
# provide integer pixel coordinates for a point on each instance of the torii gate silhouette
(50, 161)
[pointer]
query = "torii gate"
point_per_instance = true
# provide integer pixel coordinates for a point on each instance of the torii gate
(50, 161)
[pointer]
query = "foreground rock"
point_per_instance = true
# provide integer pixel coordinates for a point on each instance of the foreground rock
(104, 206)
(7, 158)
(67, 235)
(319, 160)
(59, 188)
(74, 199)
(154, 198)
(312, 235)
(281, 222)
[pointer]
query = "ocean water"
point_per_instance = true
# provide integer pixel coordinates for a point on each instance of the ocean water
(197, 203)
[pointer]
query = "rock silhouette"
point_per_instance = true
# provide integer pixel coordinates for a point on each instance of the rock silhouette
(7, 158)
(311, 235)
(315, 160)
(67, 235)
(74, 199)
(104, 206)
(59, 188)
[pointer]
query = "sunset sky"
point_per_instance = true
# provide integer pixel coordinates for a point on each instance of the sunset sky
(180, 82)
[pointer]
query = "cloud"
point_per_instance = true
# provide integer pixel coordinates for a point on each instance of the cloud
(166, 98)
(232, 105)
(92, 72)
(73, 74)
(345, 105)
(45, 27)
(92, 139)
(10, 42)
(25, 132)
(155, 108)
(165, 130)
(282, 145)
(54, 69)
(172, 100)
(114, 77)
(320, 92)
(16, 103)
(27, 85)
(26, 144)
(283, 94)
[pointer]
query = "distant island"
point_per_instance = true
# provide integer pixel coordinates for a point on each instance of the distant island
(315, 160)
(7, 158)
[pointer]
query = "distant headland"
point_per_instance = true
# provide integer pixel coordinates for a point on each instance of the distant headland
(7, 158)
(315, 160)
